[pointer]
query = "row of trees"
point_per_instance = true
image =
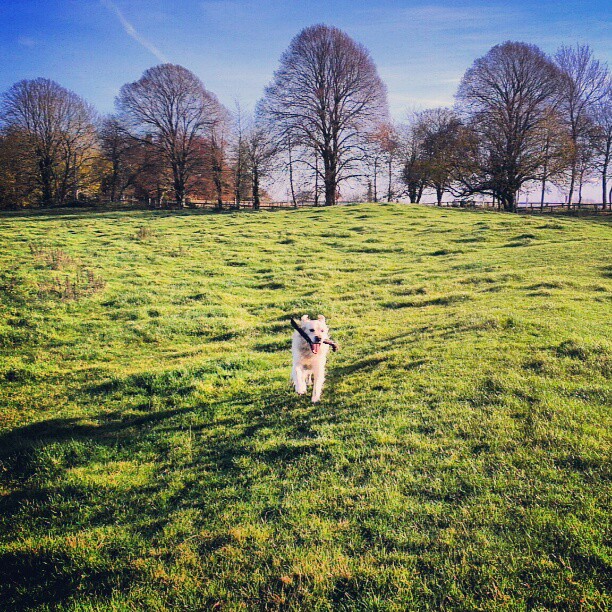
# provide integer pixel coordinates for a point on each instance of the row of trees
(521, 119)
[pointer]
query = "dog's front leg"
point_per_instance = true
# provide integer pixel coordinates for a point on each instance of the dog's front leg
(319, 379)
(299, 379)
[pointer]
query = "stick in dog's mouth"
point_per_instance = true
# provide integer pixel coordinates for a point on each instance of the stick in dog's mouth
(308, 341)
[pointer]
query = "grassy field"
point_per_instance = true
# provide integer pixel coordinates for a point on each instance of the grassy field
(153, 455)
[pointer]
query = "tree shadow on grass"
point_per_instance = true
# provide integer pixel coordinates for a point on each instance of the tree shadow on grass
(272, 427)
(109, 426)
(51, 509)
(31, 579)
(364, 365)
(48, 499)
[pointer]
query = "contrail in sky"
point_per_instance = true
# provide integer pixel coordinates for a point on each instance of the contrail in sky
(130, 30)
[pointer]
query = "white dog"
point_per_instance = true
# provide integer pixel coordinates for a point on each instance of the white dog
(309, 348)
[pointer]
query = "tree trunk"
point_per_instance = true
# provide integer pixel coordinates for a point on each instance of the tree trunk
(570, 194)
(255, 188)
(75, 179)
(217, 176)
(439, 194)
(114, 181)
(604, 174)
(390, 184)
(61, 193)
(238, 175)
(545, 171)
(374, 184)
(178, 184)
(509, 202)
(331, 183)
(316, 188)
(291, 186)
(413, 193)
(238, 187)
(45, 166)
(330, 191)
(218, 188)
(179, 193)
(420, 194)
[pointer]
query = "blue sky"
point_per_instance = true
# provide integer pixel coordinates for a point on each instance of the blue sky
(421, 48)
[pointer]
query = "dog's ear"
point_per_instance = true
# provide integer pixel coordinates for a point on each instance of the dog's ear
(321, 318)
(305, 318)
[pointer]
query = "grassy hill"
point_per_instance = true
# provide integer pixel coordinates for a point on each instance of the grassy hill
(153, 455)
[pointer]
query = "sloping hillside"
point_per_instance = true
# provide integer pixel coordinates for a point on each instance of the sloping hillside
(153, 454)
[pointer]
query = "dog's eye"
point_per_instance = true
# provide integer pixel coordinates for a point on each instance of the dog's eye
(312, 330)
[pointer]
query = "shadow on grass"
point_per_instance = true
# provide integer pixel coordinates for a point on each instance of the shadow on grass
(57, 430)
(273, 429)
(34, 579)
(444, 300)
(34, 461)
(48, 499)
(366, 364)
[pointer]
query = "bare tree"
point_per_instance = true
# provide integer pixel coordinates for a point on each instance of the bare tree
(153, 182)
(505, 97)
(380, 156)
(555, 147)
(122, 155)
(373, 160)
(326, 96)
(59, 133)
(18, 170)
(413, 168)
(218, 149)
(586, 159)
(439, 132)
(390, 146)
(239, 156)
(261, 151)
(583, 85)
(289, 148)
(170, 104)
(602, 117)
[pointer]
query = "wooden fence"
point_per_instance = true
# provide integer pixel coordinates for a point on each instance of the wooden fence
(522, 207)
(529, 207)
(246, 204)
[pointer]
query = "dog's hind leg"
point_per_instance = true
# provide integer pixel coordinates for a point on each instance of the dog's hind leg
(299, 380)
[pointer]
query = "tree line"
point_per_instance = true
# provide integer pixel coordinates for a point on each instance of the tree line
(521, 120)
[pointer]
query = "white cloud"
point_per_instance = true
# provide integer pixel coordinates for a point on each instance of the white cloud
(131, 31)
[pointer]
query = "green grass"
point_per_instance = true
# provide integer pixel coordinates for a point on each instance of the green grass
(153, 455)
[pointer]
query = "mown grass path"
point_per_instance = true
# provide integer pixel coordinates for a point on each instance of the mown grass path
(153, 455)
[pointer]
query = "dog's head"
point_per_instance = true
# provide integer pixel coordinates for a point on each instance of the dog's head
(316, 330)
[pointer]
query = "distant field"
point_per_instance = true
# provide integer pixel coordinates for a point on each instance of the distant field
(153, 455)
